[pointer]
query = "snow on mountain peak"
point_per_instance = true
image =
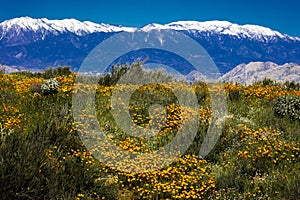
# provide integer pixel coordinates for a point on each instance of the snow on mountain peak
(152, 26)
(207, 25)
(221, 27)
(56, 27)
(227, 28)
(59, 26)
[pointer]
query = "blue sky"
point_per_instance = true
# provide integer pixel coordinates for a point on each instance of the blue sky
(281, 15)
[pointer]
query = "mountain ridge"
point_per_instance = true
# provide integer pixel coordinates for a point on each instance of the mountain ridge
(86, 27)
(40, 43)
(222, 27)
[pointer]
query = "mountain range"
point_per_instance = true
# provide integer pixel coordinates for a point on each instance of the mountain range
(36, 44)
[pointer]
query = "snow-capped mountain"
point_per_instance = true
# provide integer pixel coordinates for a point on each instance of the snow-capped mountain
(59, 26)
(40, 43)
(257, 71)
(222, 27)
(25, 29)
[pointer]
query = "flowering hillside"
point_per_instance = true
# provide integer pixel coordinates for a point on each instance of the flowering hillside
(43, 157)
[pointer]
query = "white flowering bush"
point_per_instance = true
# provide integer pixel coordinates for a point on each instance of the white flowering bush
(287, 106)
(50, 86)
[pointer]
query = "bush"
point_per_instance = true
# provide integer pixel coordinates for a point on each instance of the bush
(50, 86)
(59, 71)
(36, 87)
(116, 72)
(287, 106)
(266, 82)
(292, 85)
(235, 95)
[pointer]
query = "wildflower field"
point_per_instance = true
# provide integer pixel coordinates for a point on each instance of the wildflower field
(43, 157)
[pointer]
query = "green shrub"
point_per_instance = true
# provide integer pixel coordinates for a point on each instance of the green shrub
(202, 92)
(266, 82)
(47, 74)
(292, 85)
(36, 87)
(287, 106)
(53, 72)
(116, 72)
(235, 95)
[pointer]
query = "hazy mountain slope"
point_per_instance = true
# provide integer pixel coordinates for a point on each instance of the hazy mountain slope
(248, 73)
